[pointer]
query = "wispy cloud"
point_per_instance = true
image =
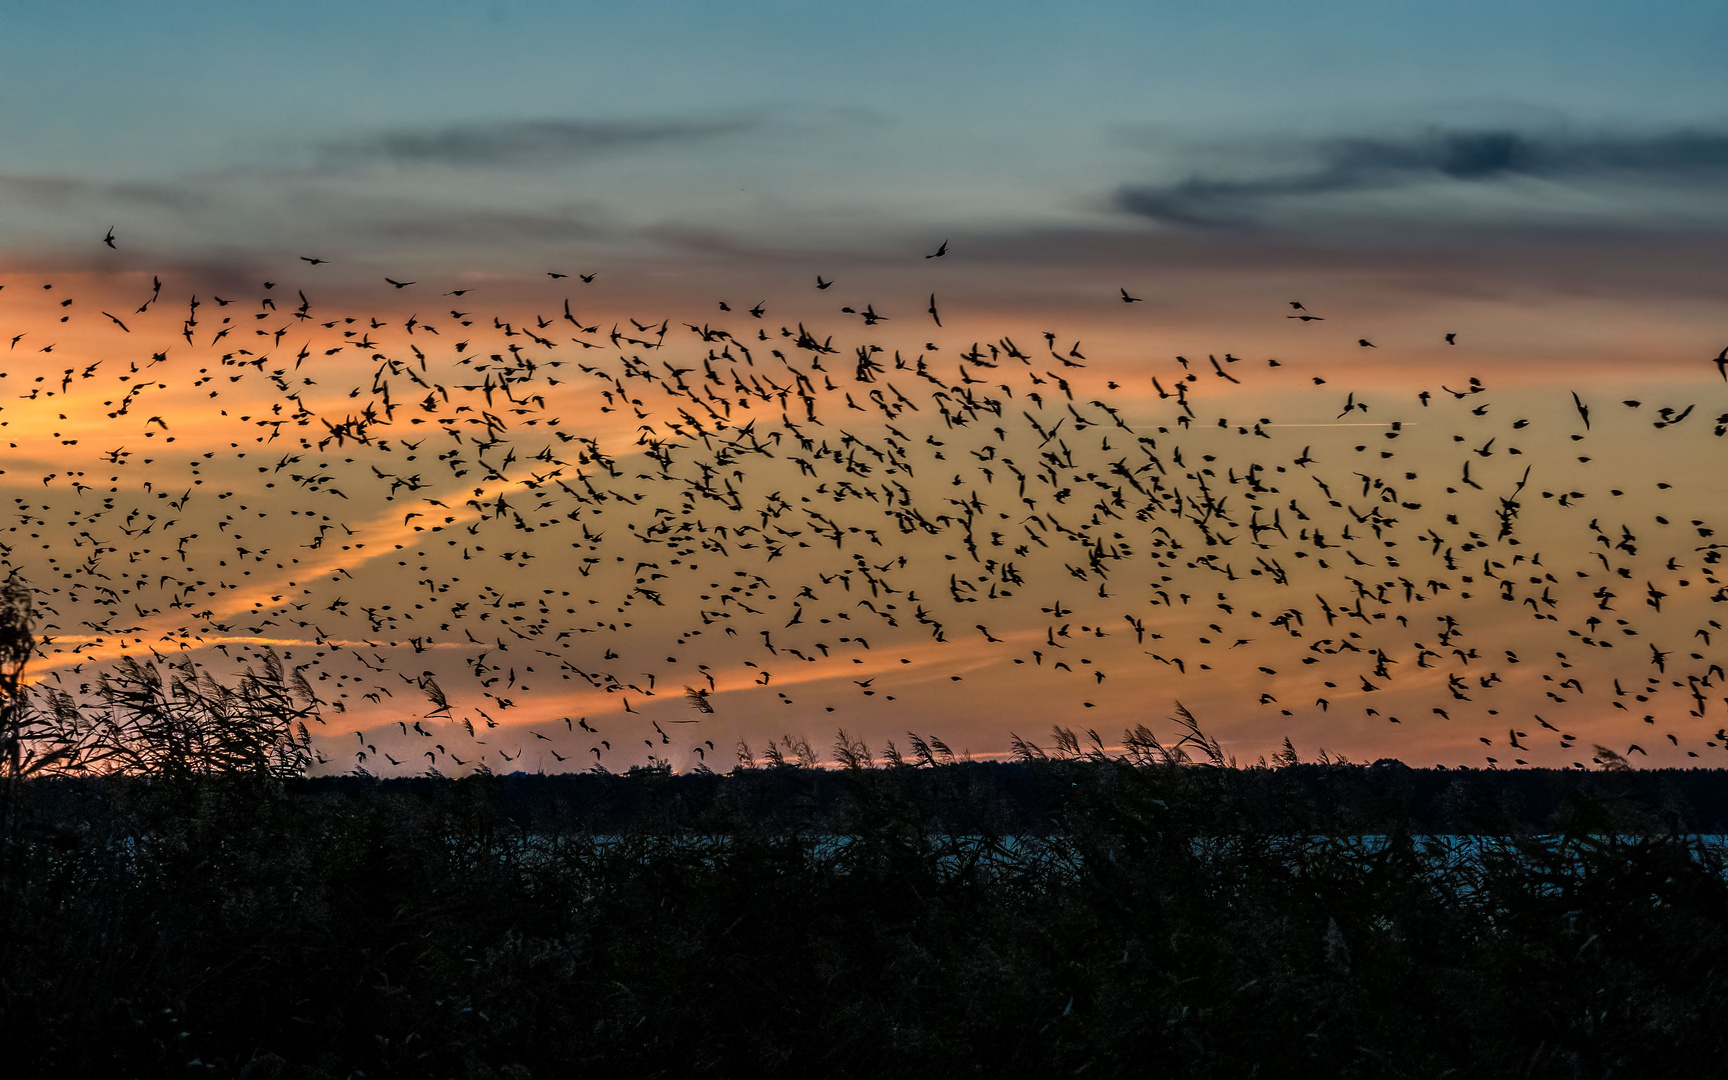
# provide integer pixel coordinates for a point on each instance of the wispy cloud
(528, 142)
(1478, 159)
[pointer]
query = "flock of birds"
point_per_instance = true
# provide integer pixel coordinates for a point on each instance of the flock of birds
(624, 530)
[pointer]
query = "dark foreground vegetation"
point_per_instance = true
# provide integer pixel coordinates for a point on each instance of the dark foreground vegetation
(176, 900)
(1120, 915)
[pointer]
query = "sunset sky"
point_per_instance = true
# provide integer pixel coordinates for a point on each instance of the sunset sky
(1542, 181)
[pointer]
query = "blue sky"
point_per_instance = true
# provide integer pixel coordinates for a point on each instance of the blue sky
(216, 127)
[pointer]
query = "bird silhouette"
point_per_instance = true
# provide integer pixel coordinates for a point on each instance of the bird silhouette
(588, 522)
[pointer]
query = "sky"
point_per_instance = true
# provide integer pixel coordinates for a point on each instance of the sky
(1542, 181)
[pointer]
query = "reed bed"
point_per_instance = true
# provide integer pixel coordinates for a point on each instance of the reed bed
(1074, 913)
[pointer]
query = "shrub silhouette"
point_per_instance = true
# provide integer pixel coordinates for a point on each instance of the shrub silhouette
(176, 721)
(19, 726)
(164, 719)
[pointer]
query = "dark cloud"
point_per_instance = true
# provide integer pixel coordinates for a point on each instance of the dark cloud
(71, 192)
(468, 224)
(529, 142)
(1478, 157)
(49, 190)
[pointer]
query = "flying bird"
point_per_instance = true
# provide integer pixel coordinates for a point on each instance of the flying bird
(1015, 460)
